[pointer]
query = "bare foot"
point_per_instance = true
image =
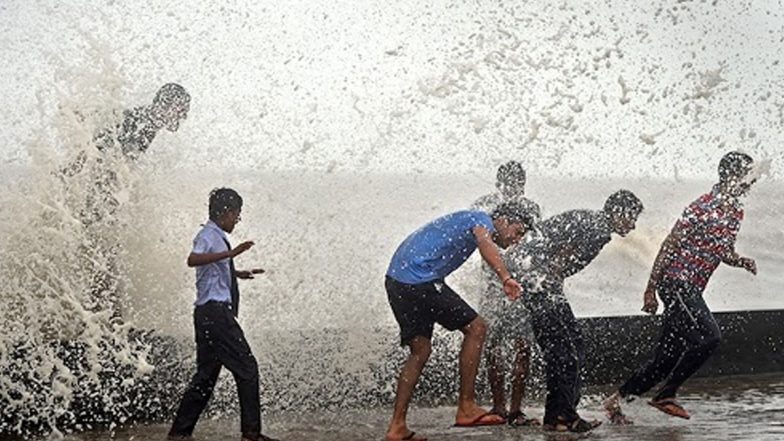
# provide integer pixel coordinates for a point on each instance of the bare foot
(612, 407)
(402, 433)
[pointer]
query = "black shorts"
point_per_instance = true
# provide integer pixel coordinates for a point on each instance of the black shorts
(418, 307)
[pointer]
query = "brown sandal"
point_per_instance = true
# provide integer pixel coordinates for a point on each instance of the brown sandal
(670, 407)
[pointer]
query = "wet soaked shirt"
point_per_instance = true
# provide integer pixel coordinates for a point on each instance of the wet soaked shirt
(134, 134)
(488, 203)
(710, 225)
(213, 281)
(438, 248)
(565, 245)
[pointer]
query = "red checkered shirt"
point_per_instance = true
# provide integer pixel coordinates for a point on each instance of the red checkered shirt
(710, 226)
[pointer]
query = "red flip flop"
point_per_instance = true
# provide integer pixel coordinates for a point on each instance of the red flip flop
(671, 407)
(483, 420)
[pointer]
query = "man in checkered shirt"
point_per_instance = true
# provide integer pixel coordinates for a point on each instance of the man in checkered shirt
(701, 239)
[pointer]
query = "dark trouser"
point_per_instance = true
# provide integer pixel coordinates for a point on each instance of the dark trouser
(555, 328)
(688, 337)
(220, 342)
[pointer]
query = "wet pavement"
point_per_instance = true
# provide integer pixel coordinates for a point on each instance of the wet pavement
(729, 408)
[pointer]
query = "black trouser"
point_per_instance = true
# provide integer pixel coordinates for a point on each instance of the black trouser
(220, 342)
(555, 328)
(688, 337)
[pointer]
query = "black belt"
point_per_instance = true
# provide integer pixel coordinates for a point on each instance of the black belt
(215, 302)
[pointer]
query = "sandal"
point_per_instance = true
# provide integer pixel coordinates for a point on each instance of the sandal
(519, 419)
(485, 419)
(578, 425)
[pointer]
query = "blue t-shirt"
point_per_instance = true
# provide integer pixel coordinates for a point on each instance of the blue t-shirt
(440, 247)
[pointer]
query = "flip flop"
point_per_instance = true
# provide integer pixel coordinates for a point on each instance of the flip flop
(482, 420)
(670, 407)
(412, 437)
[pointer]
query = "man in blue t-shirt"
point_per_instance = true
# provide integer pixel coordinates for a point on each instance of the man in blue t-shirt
(419, 298)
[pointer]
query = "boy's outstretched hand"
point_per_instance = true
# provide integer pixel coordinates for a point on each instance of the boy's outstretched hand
(241, 248)
(248, 274)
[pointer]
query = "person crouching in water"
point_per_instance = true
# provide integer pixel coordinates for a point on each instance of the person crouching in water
(420, 297)
(701, 239)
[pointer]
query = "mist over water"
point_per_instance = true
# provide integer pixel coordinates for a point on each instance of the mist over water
(599, 89)
(345, 127)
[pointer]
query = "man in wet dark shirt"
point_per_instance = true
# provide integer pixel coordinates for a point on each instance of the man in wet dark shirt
(130, 138)
(140, 125)
(565, 245)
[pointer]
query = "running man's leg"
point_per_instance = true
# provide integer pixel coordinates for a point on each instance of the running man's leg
(702, 339)
(669, 346)
(668, 350)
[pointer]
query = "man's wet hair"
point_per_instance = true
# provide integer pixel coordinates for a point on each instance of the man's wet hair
(511, 172)
(517, 213)
(171, 93)
(622, 202)
(223, 200)
(734, 166)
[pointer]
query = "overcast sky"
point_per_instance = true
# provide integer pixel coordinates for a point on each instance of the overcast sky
(606, 89)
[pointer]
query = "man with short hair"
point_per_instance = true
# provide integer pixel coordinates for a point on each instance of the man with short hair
(419, 298)
(701, 239)
(219, 338)
(508, 324)
(565, 245)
